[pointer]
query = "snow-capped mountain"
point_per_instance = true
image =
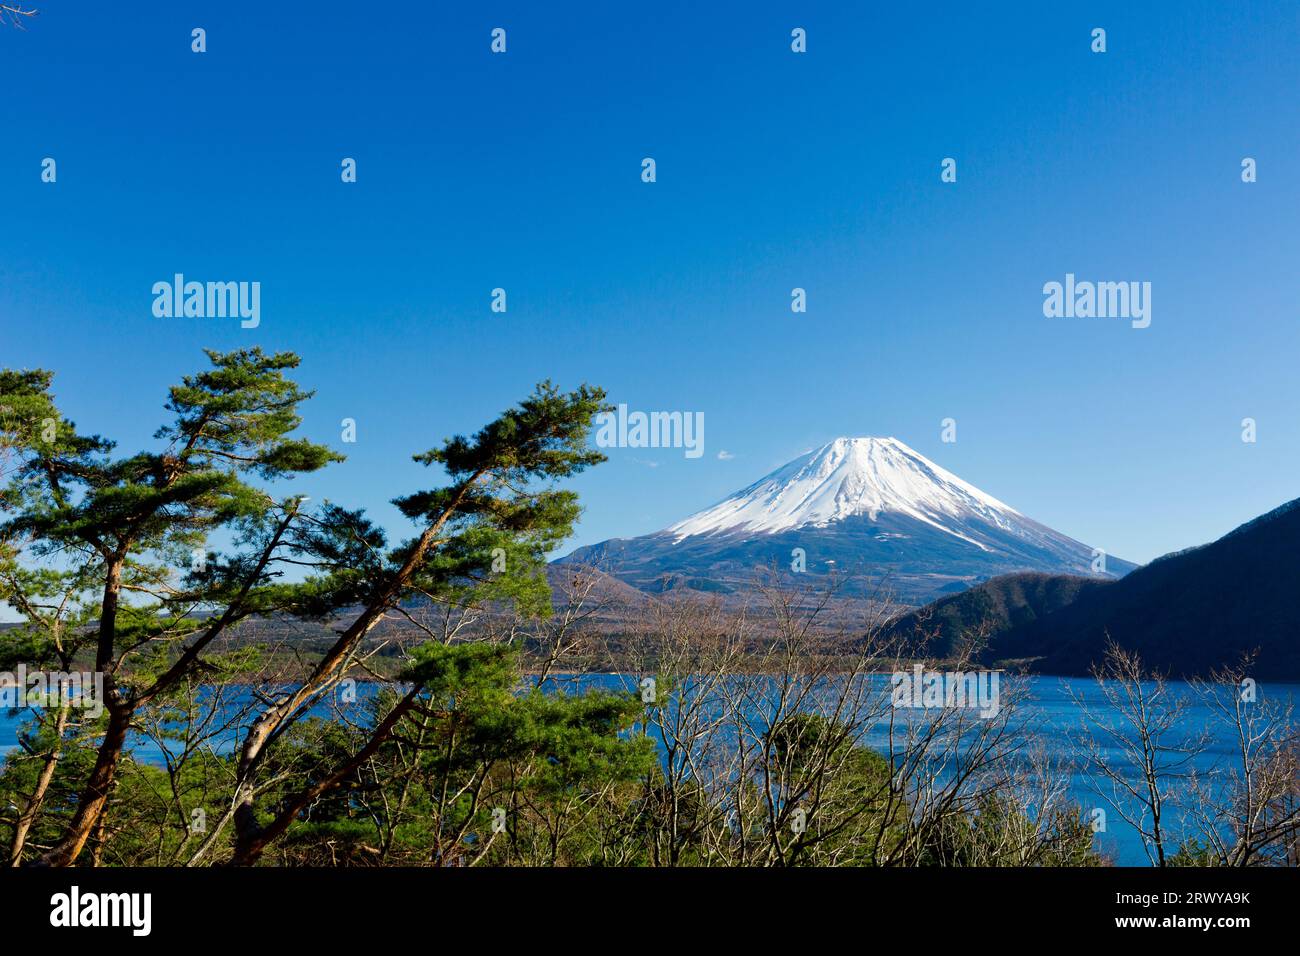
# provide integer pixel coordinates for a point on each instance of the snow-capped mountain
(847, 478)
(879, 513)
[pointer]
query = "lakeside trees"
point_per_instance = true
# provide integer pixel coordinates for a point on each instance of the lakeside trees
(1139, 746)
(723, 743)
(125, 522)
(124, 538)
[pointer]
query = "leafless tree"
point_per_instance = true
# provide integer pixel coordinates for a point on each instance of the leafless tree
(782, 743)
(16, 13)
(1244, 808)
(1137, 746)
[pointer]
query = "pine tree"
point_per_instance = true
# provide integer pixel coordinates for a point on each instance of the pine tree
(498, 510)
(130, 520)
(138, 525)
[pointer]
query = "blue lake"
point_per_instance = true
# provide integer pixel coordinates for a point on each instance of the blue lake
(1048, 713)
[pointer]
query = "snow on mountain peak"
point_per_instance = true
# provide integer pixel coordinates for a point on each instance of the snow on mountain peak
(849, 477)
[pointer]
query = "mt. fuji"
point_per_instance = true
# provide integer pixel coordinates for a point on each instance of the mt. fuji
(881, 515)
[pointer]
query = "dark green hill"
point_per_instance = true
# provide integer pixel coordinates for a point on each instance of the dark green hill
(992, 609)
(1186, 613)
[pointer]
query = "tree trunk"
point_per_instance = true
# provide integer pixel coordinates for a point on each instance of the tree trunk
(90, 807)
(94, 795)
(249, 834)
(24, 825)
(251, 841)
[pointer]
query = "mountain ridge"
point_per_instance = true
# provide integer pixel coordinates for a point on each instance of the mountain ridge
(1190, 611)
(1186, 613)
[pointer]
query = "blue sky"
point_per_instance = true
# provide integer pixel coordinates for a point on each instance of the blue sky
(775, 170)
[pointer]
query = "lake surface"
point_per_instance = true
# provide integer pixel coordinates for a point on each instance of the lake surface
(1048, 710)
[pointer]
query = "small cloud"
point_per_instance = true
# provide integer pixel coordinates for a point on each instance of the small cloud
(643, 461)
(725, 455)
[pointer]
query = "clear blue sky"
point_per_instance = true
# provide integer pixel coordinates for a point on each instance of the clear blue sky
(775, 170)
